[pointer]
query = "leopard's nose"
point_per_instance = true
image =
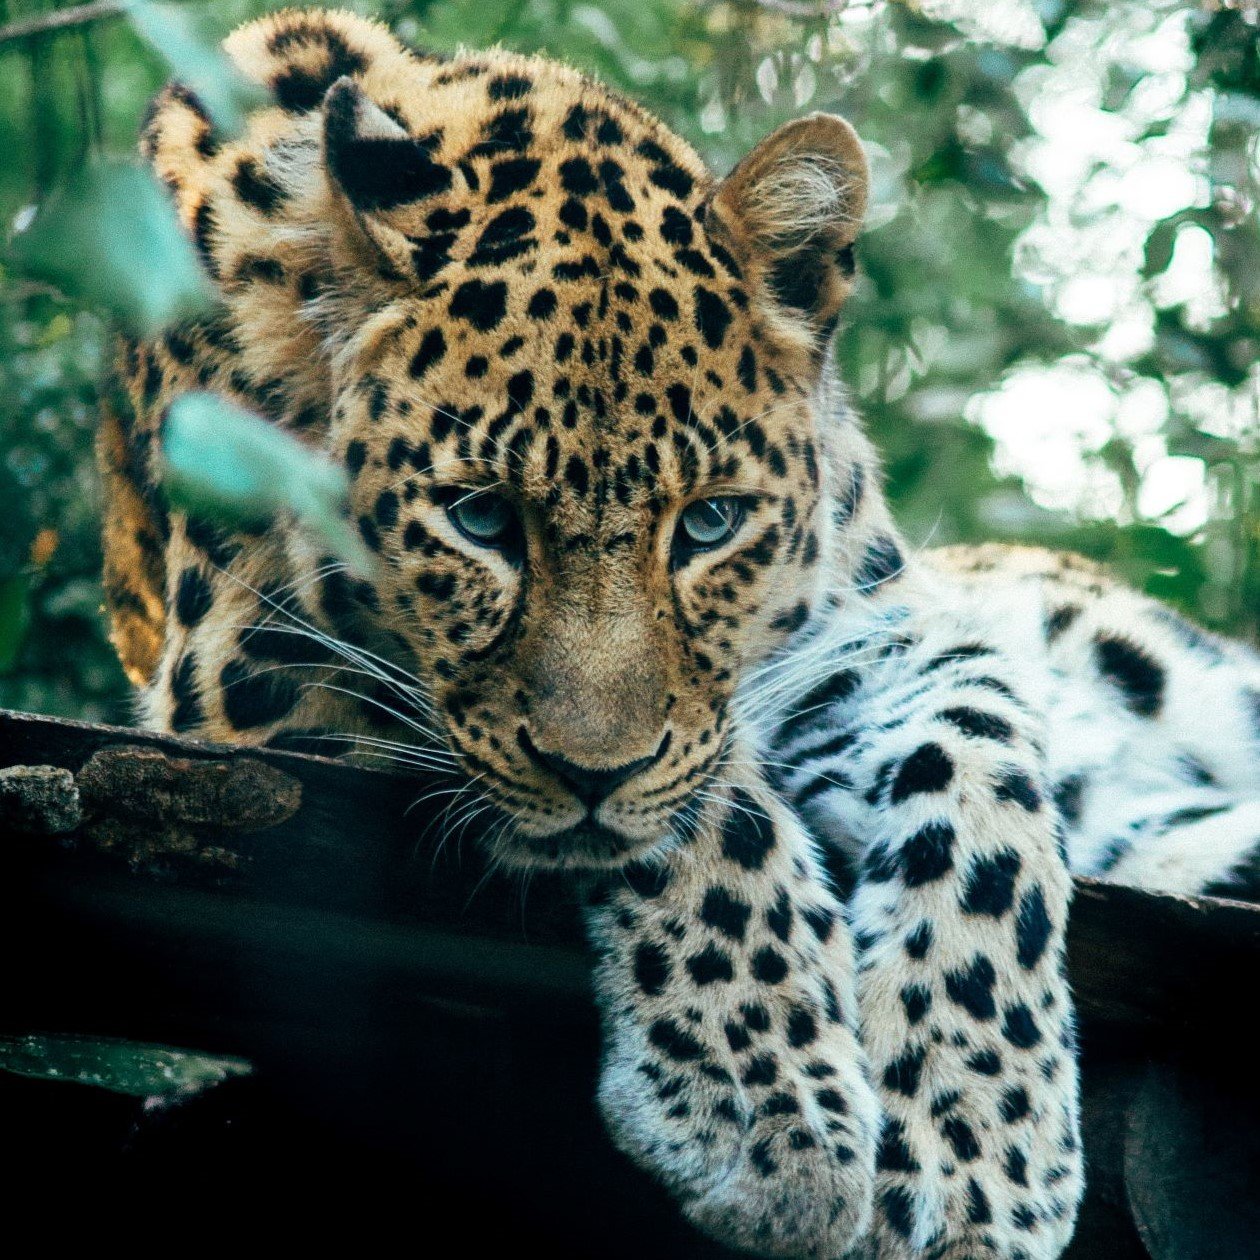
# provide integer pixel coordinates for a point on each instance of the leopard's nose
(590, 784)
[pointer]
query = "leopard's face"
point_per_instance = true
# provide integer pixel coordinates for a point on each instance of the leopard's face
(579, 386)
(589, 460)
(589, 521)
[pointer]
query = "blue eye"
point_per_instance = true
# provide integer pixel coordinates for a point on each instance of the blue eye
(487, 519)
(708, 523)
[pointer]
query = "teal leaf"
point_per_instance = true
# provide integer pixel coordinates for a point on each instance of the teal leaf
(232, 466)
(110, 239)
(124, 1067)
(182, 40)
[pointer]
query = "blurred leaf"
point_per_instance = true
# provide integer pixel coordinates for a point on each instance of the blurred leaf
(1159, 246)
(1121, 79)
(77, 597)
(232, 466)
(124, 1067)
(15, 616)
(988, 172)
(1205, 446)
(930, 78)
(110, 239)
(182, 40)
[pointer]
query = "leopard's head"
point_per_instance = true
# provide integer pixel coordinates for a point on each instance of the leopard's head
(582, 390)
(585, 418)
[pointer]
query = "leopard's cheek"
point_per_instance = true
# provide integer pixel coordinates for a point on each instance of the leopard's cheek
(454, 607)
(736, 607)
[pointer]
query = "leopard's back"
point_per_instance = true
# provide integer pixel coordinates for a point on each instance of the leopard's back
(1152, 725)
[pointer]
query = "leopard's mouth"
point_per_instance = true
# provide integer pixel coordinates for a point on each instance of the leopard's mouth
(607, 835)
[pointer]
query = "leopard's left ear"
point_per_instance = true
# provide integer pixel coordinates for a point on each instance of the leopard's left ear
(380, 172)
(798, 200)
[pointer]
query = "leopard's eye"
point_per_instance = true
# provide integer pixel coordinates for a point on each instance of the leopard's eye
(487, 519)
(708, 523)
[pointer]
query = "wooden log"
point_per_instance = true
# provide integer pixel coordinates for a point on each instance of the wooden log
(306, 831)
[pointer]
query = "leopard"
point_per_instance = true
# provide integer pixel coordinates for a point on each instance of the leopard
(636, 586)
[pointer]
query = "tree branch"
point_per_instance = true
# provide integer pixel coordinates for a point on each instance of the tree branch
(61, 19)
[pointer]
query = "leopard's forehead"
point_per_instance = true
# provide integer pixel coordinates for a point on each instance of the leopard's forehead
(511, 124)
(576, 318)
(513, 152)
(534, 196)
(298, 56)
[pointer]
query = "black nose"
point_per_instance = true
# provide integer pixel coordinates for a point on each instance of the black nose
(588, 784)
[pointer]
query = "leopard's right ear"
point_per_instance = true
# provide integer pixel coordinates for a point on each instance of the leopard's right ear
(379, 174)
(797, 200)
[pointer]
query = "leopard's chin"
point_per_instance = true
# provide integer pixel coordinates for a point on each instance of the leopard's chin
(587, 846)
(590, 843)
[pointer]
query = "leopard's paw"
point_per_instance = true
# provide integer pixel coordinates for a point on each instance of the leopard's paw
(791, 1192)
(771, 1160)
(984, 1208)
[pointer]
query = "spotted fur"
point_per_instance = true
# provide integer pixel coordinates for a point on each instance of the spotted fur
(839, 787)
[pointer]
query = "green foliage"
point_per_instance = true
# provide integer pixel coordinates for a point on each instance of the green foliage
(109, 226)
(1054, 338)
(15, 618)
(184, 40)
(56, 657)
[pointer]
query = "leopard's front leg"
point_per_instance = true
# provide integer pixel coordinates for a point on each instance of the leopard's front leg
(732, 1069)
(960, 913)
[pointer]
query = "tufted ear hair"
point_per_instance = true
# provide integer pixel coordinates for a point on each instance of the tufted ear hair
(378, 169)
(798, 200)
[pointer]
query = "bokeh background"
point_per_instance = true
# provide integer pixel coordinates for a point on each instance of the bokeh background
(1055, 336)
